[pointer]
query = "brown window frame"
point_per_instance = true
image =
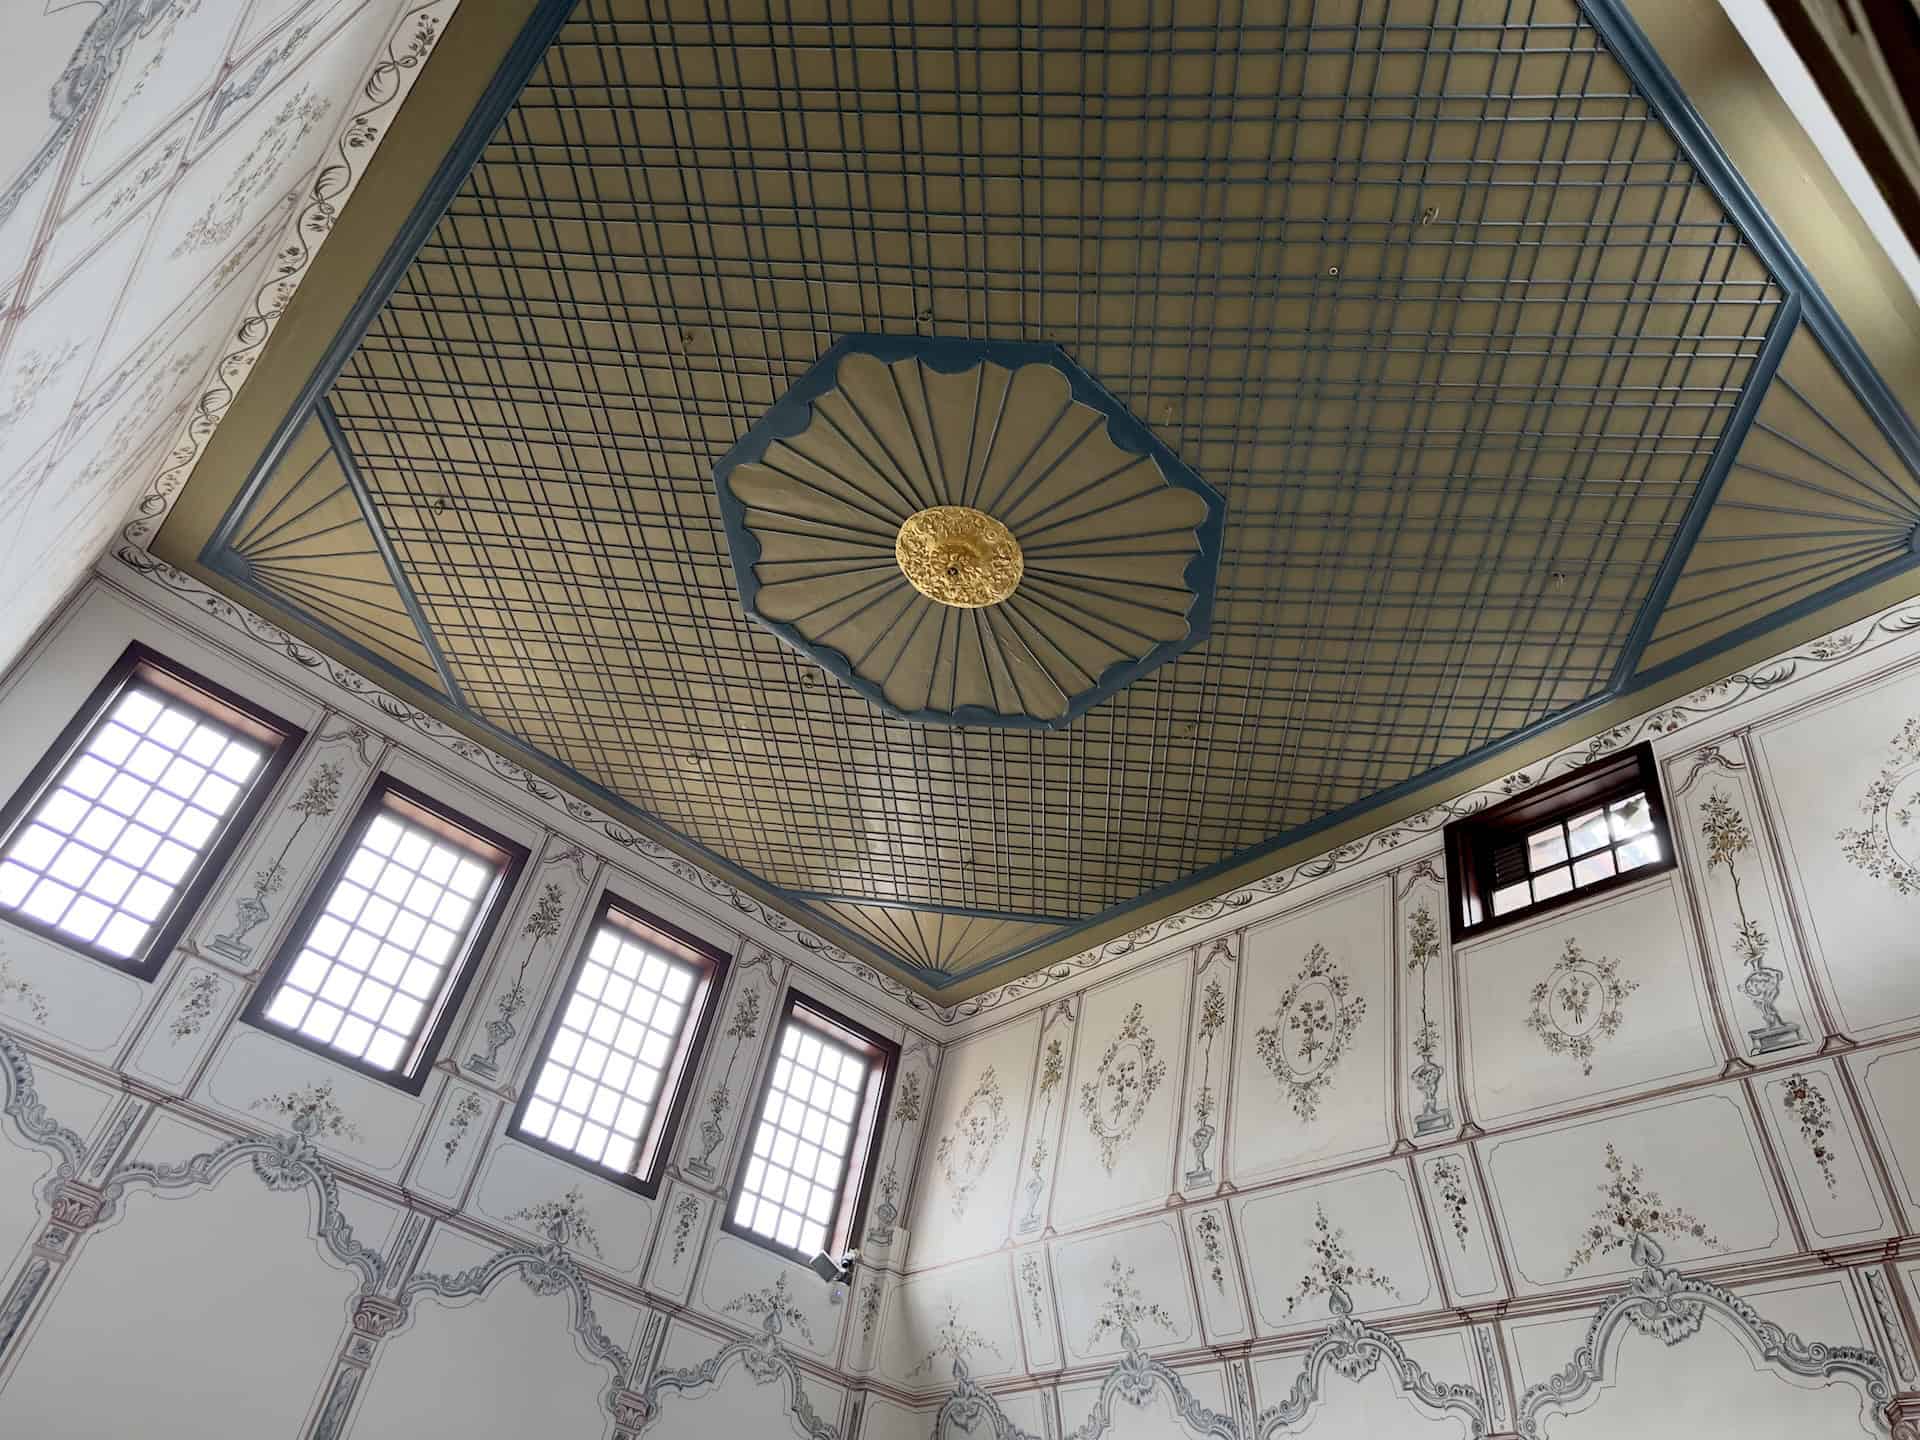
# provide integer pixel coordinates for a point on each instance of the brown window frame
(140, 665)
(850, 1207)
(1471, 842)
(676, 1081)
(510, 860)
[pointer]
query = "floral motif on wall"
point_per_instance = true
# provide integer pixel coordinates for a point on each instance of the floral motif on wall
(1053, 1066)
(33, 372)
(16, 991)
(1213, 1019)
(310, 1109)
(1125, 1310)
(543, 923)
(1578, 1005)
(1881, 846)
(1808, 1108)
(955, 1340)
(1115, 1100)
(566, 1222)
(1631, 1207)
(296, 118)
(1030, 1286)
(1450, 1187)
(686, 1212)
(1312, 1027)
(319, 797)
(1423, 948)
(869, 1306)
(1213, 1248)
(201, 994)
(964, 1153)
(1333, 1266)
(467, 1109)
(908, 1105)
(1728, 837)
(742, 1025)
(775, 1306)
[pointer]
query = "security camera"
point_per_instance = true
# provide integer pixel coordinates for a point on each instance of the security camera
(834, 1272)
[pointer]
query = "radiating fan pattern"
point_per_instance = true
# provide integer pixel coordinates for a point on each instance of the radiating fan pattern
(1816, 497)
(1118, 541)
(306, 540)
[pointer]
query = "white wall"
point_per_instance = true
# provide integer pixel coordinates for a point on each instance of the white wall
(169, 1236)
(1338, 1256)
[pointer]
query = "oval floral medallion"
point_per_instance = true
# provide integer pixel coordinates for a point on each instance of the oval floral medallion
(1312, 1027)
(1122, 1086)
(1578, 1005)
(964, 1153)
(1887, 847)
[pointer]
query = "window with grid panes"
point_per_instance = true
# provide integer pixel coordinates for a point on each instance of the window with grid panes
(113, 839)
(802, 1180)
(377, 960)
(1600, 826)
(609, 1087)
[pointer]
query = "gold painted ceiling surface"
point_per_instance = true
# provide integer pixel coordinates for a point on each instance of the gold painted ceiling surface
(1432, 300)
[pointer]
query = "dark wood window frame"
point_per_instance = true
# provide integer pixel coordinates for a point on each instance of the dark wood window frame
(850, 1212)
(421, 809)
(280, 738)
(1471, 843)
(676, 1084)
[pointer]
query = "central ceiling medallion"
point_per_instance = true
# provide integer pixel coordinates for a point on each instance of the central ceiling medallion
(968, 532)
(958, 556)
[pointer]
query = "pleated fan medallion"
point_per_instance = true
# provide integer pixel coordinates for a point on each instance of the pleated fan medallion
(969, 533)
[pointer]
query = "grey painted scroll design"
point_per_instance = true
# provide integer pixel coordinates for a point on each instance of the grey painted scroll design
(1353, 1350)
(765, 1359)
(281, 1162)
(546, 1269)
(1133, 1380)
(1670, 1307)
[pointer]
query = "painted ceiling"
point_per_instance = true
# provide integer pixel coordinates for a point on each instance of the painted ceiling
(1514, 397)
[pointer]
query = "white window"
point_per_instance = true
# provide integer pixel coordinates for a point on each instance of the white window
(609, 1084)
(803, 1179)
(369, 971)
(126, 815)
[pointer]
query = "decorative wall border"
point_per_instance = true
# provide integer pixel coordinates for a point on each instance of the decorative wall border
(1709, 702)
(396, 67)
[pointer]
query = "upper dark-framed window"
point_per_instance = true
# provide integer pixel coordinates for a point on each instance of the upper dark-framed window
(1602, 826)
(380, 954)
(113, 840)
(609, 1089)
(802, 1182)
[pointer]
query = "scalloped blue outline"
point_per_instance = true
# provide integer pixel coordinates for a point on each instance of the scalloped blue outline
(793, 412)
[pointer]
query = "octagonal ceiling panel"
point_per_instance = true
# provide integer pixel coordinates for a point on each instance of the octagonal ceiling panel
(1429, 294)
(968, 533)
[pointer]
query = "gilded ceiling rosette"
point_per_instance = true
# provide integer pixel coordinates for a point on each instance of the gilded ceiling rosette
(968, 533)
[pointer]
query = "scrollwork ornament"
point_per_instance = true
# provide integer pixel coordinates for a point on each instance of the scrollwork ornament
(1667, 1306)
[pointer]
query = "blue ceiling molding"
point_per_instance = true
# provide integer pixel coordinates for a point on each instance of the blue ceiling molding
(1786, 321)
(300, 549)
(1058, 606)
(1806, 302)
(350, 467)
(509, 79)
(1806, 306)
